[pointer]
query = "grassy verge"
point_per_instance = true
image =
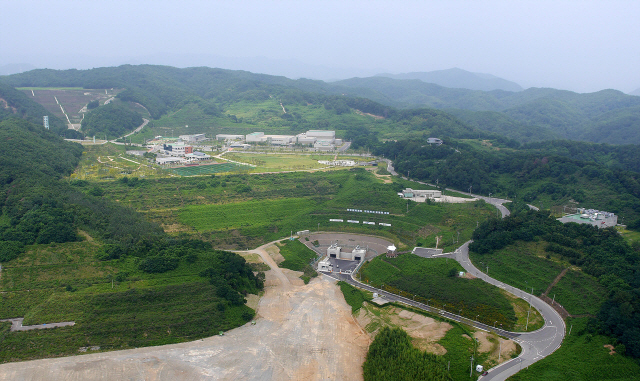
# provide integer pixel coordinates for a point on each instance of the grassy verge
(579, 293)
(521, 265)
(435, 282)
(353, 296)
(298, 257)
(525, 265)
(582, 356)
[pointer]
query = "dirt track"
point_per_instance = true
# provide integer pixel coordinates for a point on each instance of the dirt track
(302, 333)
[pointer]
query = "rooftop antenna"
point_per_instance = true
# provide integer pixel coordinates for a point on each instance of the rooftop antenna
(45, 122)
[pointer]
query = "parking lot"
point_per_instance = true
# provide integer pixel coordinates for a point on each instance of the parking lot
(375, 245)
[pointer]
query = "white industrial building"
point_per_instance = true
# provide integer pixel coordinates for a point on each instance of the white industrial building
(193, 138)
(592, 217)
(230, 137)
(255, 137)
(421, 193)
(322, 134)
(434, 141)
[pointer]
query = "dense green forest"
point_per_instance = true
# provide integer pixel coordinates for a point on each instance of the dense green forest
(392, 357)
(549, 173)
(112, 120)
(602, 253)
(606, 116)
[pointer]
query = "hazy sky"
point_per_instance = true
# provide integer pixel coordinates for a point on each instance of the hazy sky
(577, 45)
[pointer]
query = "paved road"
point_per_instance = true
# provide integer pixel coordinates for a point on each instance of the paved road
(535, 345)
(16, 325)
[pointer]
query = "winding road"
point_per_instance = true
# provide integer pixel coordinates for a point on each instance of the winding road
(535, 345)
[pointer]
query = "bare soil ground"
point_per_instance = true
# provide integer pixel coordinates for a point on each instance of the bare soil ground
(301, 333)
(425, 331)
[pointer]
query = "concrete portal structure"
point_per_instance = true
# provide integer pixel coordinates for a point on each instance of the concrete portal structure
(592, 217)
(333, 251)
(358, 254)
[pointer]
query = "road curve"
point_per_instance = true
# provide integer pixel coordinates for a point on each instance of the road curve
(535, 345)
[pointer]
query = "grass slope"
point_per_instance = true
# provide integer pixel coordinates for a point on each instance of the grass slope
(434, 281)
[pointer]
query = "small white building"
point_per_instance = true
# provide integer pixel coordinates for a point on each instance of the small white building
(196, 156)
(323, 145)
(168, 160)
(434, 141)
(193, 138)
(324, 265)
(421, 193)
(303, 139)
(280, 140)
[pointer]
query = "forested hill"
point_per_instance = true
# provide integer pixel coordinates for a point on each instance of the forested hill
(460, 79)
(547, 174)
(606, 116)
(202, 98)
(14, 103)
(535, 114)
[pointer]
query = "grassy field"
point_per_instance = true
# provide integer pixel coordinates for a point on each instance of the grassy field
(113, 303)
(209, 169)
(245, 214)
(278, 162)
(434, 281)
(524, 265)
(227, 209)
(582, 357)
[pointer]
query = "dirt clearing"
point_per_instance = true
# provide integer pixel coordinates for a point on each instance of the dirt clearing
(301, 333)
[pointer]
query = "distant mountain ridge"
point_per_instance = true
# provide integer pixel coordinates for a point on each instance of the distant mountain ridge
(635, 92)
(460, 79)
(535, 114)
